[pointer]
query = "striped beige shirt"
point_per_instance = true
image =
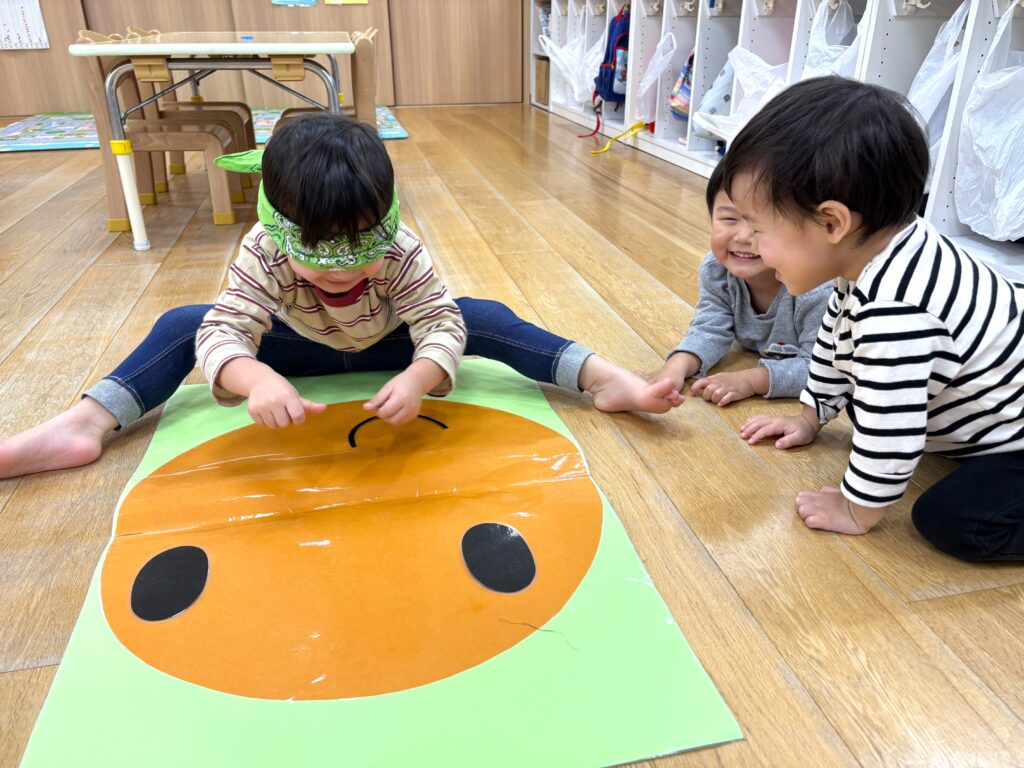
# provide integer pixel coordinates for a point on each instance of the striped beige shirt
(262, 284)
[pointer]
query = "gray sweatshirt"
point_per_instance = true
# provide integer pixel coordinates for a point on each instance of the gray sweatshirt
(783, 336)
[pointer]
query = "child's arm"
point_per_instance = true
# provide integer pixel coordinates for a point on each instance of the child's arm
(437, 329)
(398, 401)
(889, 413)
(899, 352)
(788, 377)
(233, 328)
(679, 367)
(710, 333)
(827, 391)
(774, 378)
(273, 401)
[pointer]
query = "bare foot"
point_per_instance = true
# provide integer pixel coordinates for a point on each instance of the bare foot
(616, 389)
(71, 439)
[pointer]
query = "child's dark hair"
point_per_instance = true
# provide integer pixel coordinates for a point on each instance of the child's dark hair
(329, 174)
(830, 138)
(715, 185)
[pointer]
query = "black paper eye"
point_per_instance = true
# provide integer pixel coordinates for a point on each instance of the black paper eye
(498, 557)
(169, 583)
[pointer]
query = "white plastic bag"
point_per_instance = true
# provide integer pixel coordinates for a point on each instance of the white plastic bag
(989, 186)
(760, 83)
(577, 65)
(832, 31)
(717, 99)
(846, 64)
(933, 85)
(647, 95)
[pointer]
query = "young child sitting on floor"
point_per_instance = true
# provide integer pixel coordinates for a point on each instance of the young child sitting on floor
(741, 299)
(328, 281)
(922, 344)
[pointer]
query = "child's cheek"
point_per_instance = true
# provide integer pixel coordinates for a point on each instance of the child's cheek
(719, 242)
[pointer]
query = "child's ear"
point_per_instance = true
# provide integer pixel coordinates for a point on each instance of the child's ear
(837, 220)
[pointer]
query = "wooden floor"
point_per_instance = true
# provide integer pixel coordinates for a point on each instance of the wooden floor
(830, 651)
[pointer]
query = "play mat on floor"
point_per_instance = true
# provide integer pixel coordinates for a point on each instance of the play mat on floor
(77, 130)
(454, 592)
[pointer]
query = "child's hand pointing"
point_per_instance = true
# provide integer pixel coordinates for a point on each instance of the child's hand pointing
(274, 402)
(398, 401)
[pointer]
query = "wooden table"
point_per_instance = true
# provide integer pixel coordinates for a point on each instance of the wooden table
(288, 55)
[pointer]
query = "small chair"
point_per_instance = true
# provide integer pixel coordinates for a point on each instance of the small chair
(245, 137)
(153, 135)
(234, 116)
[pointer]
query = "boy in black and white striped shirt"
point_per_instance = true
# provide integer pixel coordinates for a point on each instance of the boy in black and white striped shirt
(922, 344)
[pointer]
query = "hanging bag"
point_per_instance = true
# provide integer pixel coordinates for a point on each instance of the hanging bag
(933, 85)
(760, 83)
(989, 185)
(679, 99)
(575, 63)
(831, 33)
(647, 94)
(846, 64)
(610, 83)
(717, 100)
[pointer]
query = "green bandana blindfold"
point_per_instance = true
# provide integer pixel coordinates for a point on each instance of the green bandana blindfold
(333, 253)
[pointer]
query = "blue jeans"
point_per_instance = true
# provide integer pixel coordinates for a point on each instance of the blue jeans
(156, 368)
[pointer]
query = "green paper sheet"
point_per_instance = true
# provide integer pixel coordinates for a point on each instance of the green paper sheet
(613, 681)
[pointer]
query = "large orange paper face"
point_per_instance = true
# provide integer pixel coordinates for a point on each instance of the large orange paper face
(349, 558)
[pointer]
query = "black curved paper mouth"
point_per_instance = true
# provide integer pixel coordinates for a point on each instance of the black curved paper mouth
(364, 422)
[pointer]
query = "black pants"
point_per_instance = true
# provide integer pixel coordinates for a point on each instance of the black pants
(977, 511)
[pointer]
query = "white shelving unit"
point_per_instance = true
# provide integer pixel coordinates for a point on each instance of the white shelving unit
(896, 36)
(678, 18)
(941, 209)
(556, 30)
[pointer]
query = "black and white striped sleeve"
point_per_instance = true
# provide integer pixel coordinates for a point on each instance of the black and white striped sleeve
(901, 355)
(827, 390)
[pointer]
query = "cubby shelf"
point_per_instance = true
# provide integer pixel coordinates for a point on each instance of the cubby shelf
(896, 37)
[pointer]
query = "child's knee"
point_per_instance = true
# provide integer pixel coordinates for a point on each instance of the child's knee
(181, 320)
(484, 312)
(945, 524)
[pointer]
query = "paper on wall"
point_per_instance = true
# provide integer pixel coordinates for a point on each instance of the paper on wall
(21, 25)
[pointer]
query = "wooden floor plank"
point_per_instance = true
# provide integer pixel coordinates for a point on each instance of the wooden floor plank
(499, 224)
(27, 237)
(461, 255)
(25, 200)
(21, 697)
(663, 246)
(660, 185)
(40, 281)
(984, 629)
(647, 305)
(49, 545)
(19, 169)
